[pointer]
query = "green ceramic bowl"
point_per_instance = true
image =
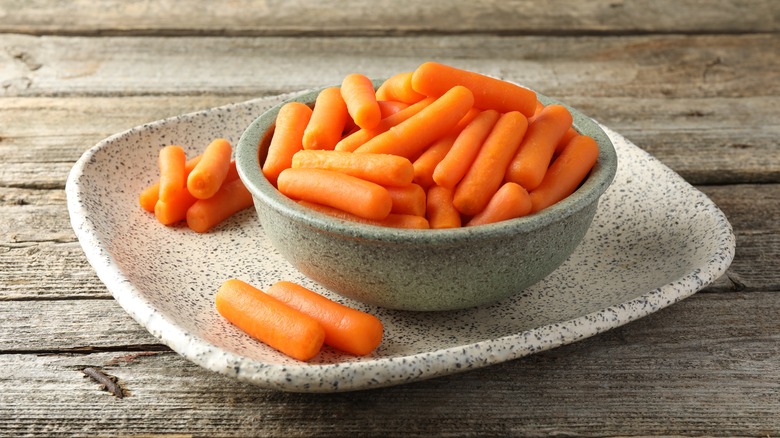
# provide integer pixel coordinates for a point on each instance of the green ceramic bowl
(422, 270)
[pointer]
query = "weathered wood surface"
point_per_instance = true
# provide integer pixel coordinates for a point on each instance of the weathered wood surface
(695, 84)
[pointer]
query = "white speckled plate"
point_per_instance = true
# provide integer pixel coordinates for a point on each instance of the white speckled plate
(655, 240)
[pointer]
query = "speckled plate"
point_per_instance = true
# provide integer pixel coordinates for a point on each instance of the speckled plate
(654, 241)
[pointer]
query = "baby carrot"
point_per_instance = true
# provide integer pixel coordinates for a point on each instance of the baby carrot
(346, 329)
(231, 198)
(533, 157)
(409, 138)
(509, 202)
(566, 172)
(426, 163)
(389, 107)
(383, 169)
(151, 194)
(456, 163)
(358, 93)
(269, 320)
(399, 87)
(434, 79)
(440, 211)
(570, 133)
(327, 121)
(210, 172)
(174, 210)
(486, 173)
(335, 189)
(173, 180)
(409, 199)
(357, 138)
(392, 220)
(287, 139)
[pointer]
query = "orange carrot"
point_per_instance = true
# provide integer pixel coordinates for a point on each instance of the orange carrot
(509, 202)
(346, 329)
(389, 107)
(486, 173)
(409, 138)
(440, 211)
(392, 220)
(327, 120)
(570, 133)
(231, 198)
(357, 138)
(434, 79)
(399, 87)
(566, 172)
(287, 139)
(207, 177)
(150, 195)
(456, 163)
(173, 180)
(269, 320)
(383, 169)
(358, 93)
(533, 157)
(426, 163)
(409, 199)
(335, 189)
(175, 210)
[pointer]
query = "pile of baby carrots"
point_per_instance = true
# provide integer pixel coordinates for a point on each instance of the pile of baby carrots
(438, 147)
(297, 321)
(202, 191)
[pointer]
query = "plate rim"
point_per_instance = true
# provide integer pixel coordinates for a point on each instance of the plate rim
(272, 376)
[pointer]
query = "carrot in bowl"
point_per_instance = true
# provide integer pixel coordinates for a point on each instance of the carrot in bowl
(399, 87)
(335, 189)
(410, 137)
(434, 79)
(486, 173)
(287, 139)
(356, 139)
(393, 220)
(408, 199)
(456, 163)
(510, 201)
(440, 211)
(327, 122)
(383, 169)
(566, 172)
(358, 93)
(269, 320)
(211, 171)
(346, 329)
(535, 152)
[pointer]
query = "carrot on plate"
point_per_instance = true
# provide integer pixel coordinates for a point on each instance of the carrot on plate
(399, 87)
(150, 195)
(535, 152)
(346, 329)
(408, 199)
(327, 122)
(456, 163)
(393, 220)
(486, 173)
(356, 139)
(440, 211)
(383, 169)
(335, 189)
(360, 97)
(210, 172)
(173, 180)
(434, 79)
(566, 172)
(174, 210)
(231, 198)
(510, 201)
(269, 320)
(410, 137)
(287, 138)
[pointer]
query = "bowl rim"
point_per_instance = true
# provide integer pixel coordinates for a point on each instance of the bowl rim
(249, 170)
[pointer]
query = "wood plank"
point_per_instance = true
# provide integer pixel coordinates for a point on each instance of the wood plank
(696, 367)
(652, 66)
(329, 17)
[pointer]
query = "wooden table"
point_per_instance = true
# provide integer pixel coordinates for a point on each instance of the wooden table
(695, 84)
